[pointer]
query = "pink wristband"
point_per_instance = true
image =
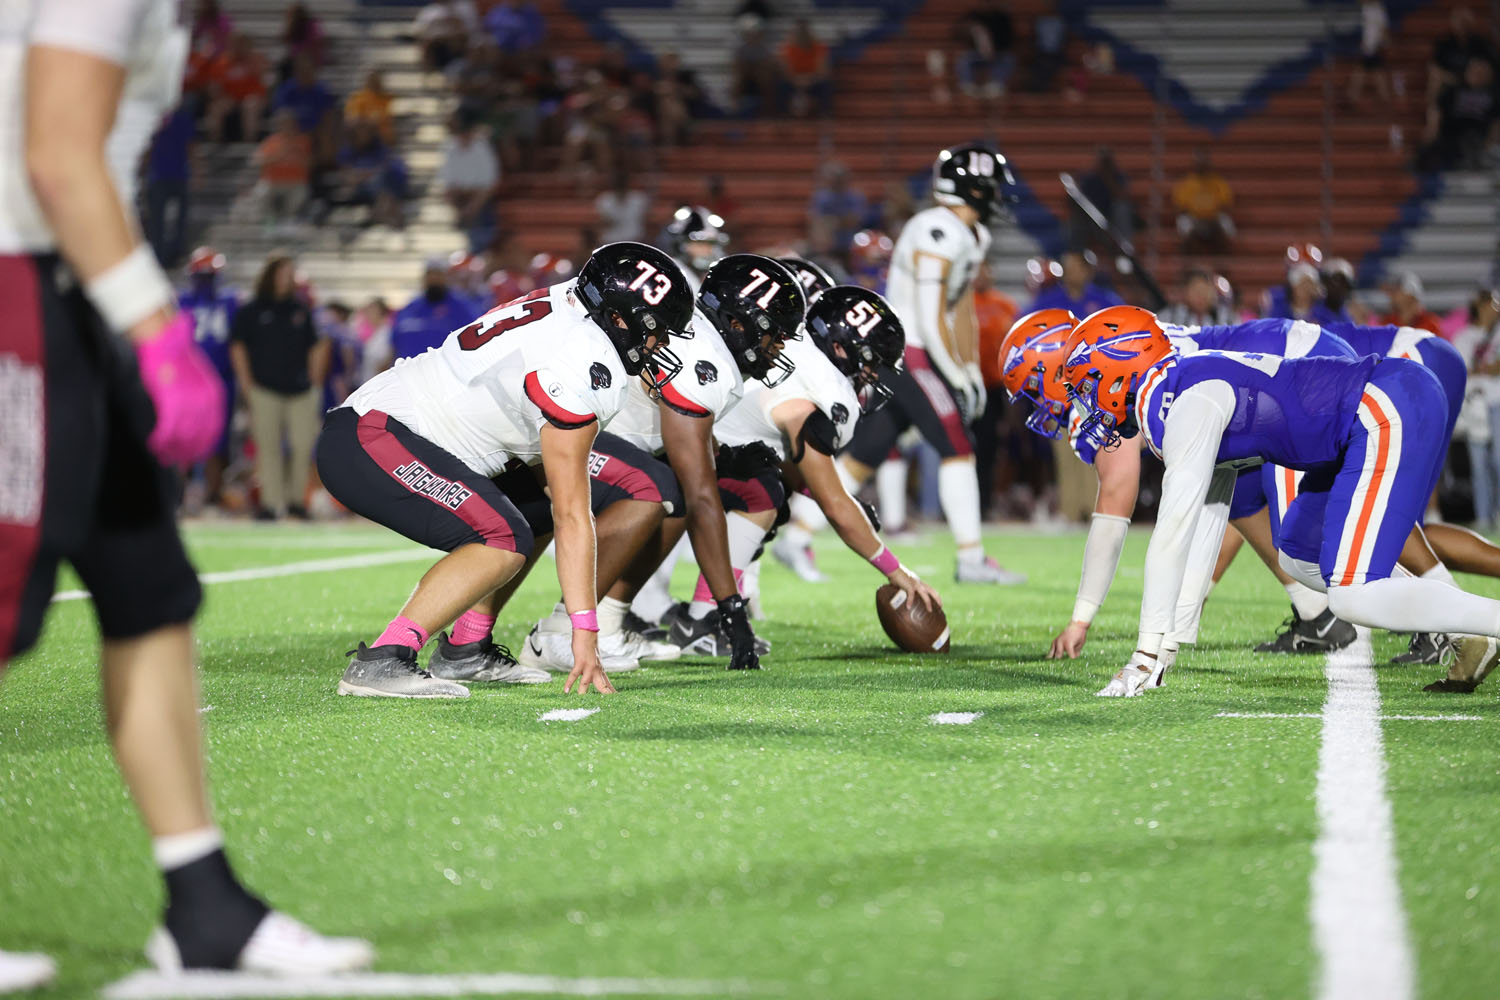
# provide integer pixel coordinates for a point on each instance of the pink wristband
(588, 621)
(885, 560)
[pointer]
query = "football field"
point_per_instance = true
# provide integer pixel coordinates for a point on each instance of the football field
(805, 831)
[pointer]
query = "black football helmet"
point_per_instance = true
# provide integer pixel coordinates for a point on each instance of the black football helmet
(634, 292)
(813, 278)
(858, 331)
(973, 174)
(748, 298)
(695, 224)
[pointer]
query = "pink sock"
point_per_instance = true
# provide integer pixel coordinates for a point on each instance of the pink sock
(402, 631)
(701, 593)
(471, 627)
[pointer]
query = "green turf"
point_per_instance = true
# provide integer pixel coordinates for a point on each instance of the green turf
(804, 827)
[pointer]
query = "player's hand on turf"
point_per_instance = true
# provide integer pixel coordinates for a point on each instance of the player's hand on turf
(734, 619)
(586, 666)
(1070, 643)
(185, 391)
(915, 589)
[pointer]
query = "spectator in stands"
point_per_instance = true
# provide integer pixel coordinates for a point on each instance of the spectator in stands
(590, 141)
(1199, 303)
(279, 364)
(443, 30)
(806, 73)
(211, 28)
(237, 93)
(470, 177)
(372, 324)
(1374, 39)
(168, 170)
(837, 210)
(285, 161)
(515, 28)
(621, 211)
(1451, 53)
(679, 99)
(314, 108)
(1338, 288)
(372, 175)
(302, 40)
(1049, 50)
(426, 320)
(754, 72)
(719, 201)
(372, 103)
(1463, 121)
(1076, 289)
(1407, 308)
(986, 58)
(1302, 298)
(1109, 189)
(1479, 424)
(1203, 200)
(335, 325)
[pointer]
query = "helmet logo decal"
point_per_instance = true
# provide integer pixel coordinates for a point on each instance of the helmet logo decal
(1115, 347)
(599, 375)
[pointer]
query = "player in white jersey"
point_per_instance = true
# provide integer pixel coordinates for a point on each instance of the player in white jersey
(941, 391)
(854, 342)
(419, 449)
(748, 306)
(104, 387)
(696, 240)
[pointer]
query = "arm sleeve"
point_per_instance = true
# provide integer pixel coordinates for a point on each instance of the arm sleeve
(1101, 558)
(102, 28)
(1203, 555)
(1190, 446)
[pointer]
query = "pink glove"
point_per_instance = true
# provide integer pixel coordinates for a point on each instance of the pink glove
(186, 391)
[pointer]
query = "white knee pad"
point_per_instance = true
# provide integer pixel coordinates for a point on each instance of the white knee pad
(1305, 573)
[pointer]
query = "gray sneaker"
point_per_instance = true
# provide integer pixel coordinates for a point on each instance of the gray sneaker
(483, 660)
(391, 671)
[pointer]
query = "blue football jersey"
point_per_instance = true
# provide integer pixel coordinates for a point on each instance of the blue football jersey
(1294, 412)
(1286, 338)
(213, 315)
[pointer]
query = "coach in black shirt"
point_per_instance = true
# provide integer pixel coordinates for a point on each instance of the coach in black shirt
(279, 361)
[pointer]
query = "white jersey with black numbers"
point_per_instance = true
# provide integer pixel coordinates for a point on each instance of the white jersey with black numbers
(814, 379)
(708, 386)
(932, 240)
(140, 35)
(485, 393)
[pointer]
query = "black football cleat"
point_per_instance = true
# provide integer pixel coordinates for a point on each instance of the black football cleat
(1424, 648)
(1322, 634)
(702, 636)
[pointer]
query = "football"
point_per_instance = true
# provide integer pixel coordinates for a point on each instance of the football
(909, 624)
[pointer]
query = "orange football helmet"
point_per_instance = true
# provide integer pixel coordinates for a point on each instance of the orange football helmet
(1105, 359)
(1031, 357)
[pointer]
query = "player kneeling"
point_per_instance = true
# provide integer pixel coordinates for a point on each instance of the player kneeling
(1368, 434)
(528, 384)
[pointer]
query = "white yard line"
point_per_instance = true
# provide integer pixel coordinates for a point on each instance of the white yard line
(294, 569)
(1359, 924)
(1318, 715)
(220, 985)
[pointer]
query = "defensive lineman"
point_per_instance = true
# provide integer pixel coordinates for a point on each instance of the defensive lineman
(104, 386)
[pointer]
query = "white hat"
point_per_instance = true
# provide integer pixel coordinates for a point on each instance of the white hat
(1302, 272)
(1409, 283)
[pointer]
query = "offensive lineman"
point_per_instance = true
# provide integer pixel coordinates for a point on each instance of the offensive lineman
(941, 390)
(104, 387)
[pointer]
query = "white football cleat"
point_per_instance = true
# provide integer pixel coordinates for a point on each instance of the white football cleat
(629, 643)
(280, 946)
(25, 971)
(1141, 674)
(798, 559)
(987, 570)
(554, 651)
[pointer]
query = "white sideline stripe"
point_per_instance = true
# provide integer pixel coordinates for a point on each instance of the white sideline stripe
(291, 569)
(1359, 924)
(953, 718)
(566, 714)
(220, 985)
(1317, 715)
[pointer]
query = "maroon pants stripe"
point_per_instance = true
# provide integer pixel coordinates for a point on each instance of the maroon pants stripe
(752, 495)
(391, 455)
(615, 471)
(939, 397)
(22, 439)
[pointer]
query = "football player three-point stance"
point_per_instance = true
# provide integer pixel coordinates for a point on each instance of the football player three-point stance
(1367, 434)
(940, 390)
(105, 388)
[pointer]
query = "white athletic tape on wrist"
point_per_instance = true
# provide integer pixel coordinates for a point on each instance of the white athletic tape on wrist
(131, 290)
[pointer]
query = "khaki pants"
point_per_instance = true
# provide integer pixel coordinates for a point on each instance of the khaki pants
(283, 480)
(1077, 484)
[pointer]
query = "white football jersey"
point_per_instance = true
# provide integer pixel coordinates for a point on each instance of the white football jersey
(141, 35)
(928, 240)
(814, 379)
(484, 394)
(708, 386)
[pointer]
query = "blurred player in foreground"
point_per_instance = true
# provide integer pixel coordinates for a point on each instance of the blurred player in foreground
(105, 387)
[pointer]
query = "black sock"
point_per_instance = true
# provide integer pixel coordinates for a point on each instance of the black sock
(209, 914)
